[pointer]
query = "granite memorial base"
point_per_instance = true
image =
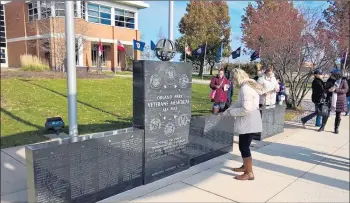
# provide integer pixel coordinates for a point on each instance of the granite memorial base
(273, 121)
(210, 137)
(162, 107)
(85, 169)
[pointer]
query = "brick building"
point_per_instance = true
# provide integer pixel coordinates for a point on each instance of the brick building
(37, 28)
(3, 50)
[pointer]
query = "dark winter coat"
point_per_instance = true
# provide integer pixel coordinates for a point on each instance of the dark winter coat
(341, 105)
(317, 90)
(221, 95)
(348, 94)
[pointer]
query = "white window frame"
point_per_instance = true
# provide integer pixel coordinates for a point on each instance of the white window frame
(59, 10)
(99, 14)
(46, 12)
(124, 16)
(82, 9)
(34, 16)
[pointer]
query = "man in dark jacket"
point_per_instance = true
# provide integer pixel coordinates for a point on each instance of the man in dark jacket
(317, 94)
(348, 99)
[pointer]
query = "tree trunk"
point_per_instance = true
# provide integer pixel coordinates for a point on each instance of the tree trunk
(201, 67)
(211, 70)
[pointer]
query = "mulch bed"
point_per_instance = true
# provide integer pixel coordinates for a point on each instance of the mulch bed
(13, 73)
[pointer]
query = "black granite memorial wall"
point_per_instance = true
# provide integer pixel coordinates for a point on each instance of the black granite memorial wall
(273, 121)
(162, 107)
(210, 137)
(85, 169)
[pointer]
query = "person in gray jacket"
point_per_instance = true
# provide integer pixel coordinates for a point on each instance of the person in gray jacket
(246, 117)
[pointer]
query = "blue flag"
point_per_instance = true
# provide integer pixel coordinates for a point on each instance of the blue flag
(219, 54)
(199, 51)
(138, 45)
(237, 53)
(153, 45)
(254, 56)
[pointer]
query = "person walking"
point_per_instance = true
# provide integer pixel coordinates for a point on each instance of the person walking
(270, 84)
(219, 85)
(317, 94)
(348, 99)
(336, 89)
(247, 119)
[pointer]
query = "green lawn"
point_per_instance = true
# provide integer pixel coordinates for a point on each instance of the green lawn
(103, 104)
(205, 77)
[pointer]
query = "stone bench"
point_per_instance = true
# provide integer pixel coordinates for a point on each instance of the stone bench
(273, 121)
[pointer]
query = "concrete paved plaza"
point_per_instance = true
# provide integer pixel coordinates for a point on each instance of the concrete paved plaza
(300, 165)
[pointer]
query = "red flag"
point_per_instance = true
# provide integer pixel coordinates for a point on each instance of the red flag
(100, 49)
(120, 46)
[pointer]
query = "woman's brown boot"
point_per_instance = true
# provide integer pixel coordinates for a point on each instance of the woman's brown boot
(248, 174)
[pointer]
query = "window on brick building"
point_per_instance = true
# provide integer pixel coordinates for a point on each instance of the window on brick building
(45, 7)
(124, 18)
(94, 55)
(59, 8)
(82, 9)
(32, 11)
(99, 14)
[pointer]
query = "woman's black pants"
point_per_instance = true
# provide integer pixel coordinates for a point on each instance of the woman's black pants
(337, 119)
(244, 144)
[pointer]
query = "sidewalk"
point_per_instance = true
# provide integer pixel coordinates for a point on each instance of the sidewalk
(298, 165)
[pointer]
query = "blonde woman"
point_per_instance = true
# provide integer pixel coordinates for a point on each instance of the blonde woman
(247, 118)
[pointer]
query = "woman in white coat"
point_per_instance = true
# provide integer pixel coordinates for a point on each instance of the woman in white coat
(247, 118)
(270, 84)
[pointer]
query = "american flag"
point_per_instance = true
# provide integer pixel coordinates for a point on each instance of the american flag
(100, 49)
(120, 46)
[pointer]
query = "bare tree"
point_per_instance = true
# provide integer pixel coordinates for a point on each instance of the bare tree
(160, 34)
(147, 53)
(288, 38)
(54, 41)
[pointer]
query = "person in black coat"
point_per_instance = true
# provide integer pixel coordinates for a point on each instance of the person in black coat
(340, 86)
(317, 93)
(348, 99)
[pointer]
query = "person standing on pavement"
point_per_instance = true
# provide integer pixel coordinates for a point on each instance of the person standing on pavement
(348, 99)
(230, 90)
(247, 118)
(220, 85)
(336, 89)
(270, 84)
(317, 94)
(281, 94)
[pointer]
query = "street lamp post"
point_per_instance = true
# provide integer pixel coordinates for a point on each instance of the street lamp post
(71, 68)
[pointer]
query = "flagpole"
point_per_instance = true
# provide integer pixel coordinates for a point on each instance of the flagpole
(205, 53)
(239, 61)
(185, 51)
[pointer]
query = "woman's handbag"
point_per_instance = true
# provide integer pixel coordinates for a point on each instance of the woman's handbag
(213, 92)
(323, 108)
